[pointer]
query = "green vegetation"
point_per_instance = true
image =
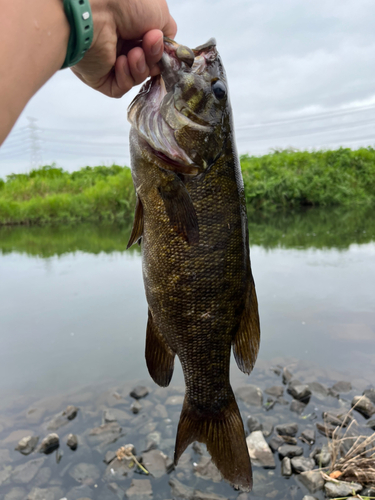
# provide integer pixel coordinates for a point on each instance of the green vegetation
(281, 180)
(314, 228)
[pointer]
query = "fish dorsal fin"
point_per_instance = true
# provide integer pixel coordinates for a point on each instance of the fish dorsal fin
(159, 356)
(179, 207)
(246, 341)
(137, 230)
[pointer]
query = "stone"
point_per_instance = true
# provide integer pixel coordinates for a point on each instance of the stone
(82, 492)
(275, 390)
(286, 467)
(16, 436)
(300, 392)
(206, 495)
(70, 412)
(253, 424)
(275, 443)
(342, 387)
(43, 476)
(322, 458)
(363, 405)
(206, 469)
(109, 456)
(336, 419)
(318, 389)
(49, 444)
(289, 439)
(17, 493)
(286, 376)
(368, 492)
(174, 400)
(105, 433)
(309, 497)
(161, 411)
(136, 407)
(302, 464)
(85, 473)
(312, 480)
(120, 416)
(267, 426)
(116, 490)
(289, 450)
(27, 444)
(153, 440)
(140, 489)
(282, 401)
(5, 457)
(287, 429)
(250, 394)
(52, 493)
(308, 436)
(297, 406)
(327, 430)
(155, 462)
(340, 489)
(370, 394)
(260, 452)
(333, 393)
(108, 417)
(370, 423)
(117, 470)
(139, 392)
(4, 476)
(26, 472)
(72, 442)
(180, 491)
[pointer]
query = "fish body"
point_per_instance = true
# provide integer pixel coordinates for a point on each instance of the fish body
(191, 219)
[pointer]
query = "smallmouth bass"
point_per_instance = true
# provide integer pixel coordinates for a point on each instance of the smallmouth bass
(191, 219)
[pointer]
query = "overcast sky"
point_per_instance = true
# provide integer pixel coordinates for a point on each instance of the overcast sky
(301, 74)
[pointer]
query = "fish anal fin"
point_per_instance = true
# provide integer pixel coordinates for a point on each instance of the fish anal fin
(137, 230)
(224, 437)
(159, 356)
(247, 339)
(179, 208)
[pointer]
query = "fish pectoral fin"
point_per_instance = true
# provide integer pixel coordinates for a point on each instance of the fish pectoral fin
(137, 230)
(224, 436)
(247, 339)
(159, 356)
(179, 208)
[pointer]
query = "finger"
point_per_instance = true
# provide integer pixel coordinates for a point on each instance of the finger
(153, 45)
(170, 29)
(122, 80)
(137, 65)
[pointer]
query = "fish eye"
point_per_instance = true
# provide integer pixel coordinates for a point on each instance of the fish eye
(219, 89)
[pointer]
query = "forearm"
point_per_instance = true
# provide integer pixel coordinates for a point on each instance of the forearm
(33, 39)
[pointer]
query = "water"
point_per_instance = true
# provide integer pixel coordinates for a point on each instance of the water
(73, 314)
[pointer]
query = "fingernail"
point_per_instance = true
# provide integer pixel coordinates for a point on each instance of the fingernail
(155, 49)
(141, 65)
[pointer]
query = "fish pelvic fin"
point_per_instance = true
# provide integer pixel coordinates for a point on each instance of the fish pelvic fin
(137, 230)
(247, 339)
(159, 356)
(223, 433)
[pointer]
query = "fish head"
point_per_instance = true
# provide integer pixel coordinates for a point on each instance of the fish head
(183, 114)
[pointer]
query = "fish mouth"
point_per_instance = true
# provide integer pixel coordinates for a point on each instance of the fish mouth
(153, 112)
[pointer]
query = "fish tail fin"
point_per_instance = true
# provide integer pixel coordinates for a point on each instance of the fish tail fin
(223, 433)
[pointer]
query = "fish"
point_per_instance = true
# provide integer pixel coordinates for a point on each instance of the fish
(190, 219)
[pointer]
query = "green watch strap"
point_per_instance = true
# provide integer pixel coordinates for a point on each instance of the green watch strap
(79, 16)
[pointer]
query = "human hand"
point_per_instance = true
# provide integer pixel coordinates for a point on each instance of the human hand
(127, 44)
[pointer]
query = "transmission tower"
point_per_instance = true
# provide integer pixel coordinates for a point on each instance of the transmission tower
(35, 143)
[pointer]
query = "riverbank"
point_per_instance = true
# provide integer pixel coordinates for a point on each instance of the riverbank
(280, 180)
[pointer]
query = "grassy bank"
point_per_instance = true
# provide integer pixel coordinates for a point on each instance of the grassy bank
(285, 179)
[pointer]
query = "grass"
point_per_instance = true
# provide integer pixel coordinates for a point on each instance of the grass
(280, 180)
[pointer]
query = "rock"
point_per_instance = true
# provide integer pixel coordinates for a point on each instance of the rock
(308, 436)
(318, 389)
(322, 457)
(27, 444)
(300, 392)
(287, 429)
(70, 412)
(108, 417)
(340, 489)
(206, 495)
(327, 430)
(62, 418)
(368, 492)
(342, 386)
(105, 433)
(85, 473)
(302, 464)
(17, 493)
(155, 462)
(333, 393)
(26, 472)
(336, 419)
(297, 406)
(53, 493)
(289, 450)
(267, 426)
(370, 423)
(363, 405)
(312, 480)
(140, 489)
(309, 497)
(260, 452)
(49, 444)
(282, 401)
(206, 469)
(275, 443)
(72, 442)
(5, 457)
(275, 390)
(289, 439)
(136, 407)
(116, 490)
(287, 376)
(286, 467)
(117, 470)
(16, 436)
(253, 424)
(174, 400)
(120, 416)
(250, 394)
(370, 394)
(109, 456)
(139, 392)
(82, 492)
(179, 491)
(153, 441)
(4, 476)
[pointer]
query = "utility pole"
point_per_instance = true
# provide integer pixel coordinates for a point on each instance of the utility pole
(35, 146)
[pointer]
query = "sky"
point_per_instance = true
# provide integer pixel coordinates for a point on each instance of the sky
(301, 75)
